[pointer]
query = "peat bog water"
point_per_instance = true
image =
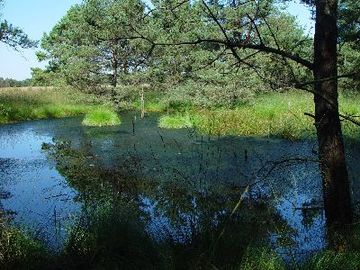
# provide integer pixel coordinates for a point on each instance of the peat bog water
(193, 178)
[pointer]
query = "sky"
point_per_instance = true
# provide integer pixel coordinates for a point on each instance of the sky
(36, 17)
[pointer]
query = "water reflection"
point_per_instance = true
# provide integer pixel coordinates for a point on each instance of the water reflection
(183, 185)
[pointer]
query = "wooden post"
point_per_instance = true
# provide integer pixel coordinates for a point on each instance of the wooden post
(142, 99)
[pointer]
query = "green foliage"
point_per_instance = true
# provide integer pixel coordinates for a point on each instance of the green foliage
(89, 46)
(14, 36)
(40, 77)
(210, 96)
(102, 43)
(101, 117)
(349, 23)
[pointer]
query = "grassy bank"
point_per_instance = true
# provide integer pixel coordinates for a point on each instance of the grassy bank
(269, 115)
(30, 103)
(272, 115)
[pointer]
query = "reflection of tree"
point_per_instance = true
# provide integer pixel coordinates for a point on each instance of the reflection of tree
(199, 221)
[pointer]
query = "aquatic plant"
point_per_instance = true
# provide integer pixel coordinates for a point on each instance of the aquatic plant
(101, 117)
(176, 121)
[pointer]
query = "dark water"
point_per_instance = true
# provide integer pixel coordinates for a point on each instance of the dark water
(193, 177)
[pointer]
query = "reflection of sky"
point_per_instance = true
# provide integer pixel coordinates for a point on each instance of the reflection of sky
(308, 238)
(307, 227)
(42, 199)
(160, 226)
(22, 145)
(39, 195)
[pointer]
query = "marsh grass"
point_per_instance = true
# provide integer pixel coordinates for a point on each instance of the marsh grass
(100, 117)
(273, 115)
(176, 121)
(30, 103)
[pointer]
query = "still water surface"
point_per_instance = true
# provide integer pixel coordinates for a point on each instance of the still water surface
(284, 174)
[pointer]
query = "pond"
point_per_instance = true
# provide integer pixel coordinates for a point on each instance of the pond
(180, 182)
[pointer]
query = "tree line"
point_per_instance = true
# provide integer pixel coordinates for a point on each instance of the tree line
(7, 82)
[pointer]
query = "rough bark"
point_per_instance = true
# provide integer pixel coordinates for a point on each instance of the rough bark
(336, 186)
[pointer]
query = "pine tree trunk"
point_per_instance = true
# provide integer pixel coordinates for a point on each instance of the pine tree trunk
(114, 77)
(336, 185)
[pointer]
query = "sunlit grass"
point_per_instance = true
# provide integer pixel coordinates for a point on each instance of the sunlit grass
(101, 117)
(273, 115)
(21, 104)
(176, 121)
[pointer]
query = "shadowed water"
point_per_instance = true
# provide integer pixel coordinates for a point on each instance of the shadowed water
(185, 178)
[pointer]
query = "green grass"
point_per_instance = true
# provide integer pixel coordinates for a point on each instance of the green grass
(273, 115)
(176, 121)
(101, 117)
(22, 104)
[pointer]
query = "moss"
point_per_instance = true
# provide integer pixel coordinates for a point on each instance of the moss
(101, 117)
